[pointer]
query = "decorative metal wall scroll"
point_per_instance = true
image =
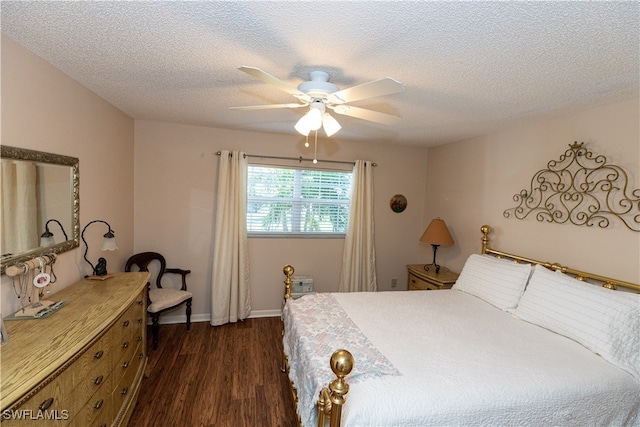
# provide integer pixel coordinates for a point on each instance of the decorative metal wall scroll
(580, 188)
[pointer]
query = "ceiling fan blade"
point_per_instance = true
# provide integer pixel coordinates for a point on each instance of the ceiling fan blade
(268, 106)
(381, 87)
(268, 78)
(364, 114)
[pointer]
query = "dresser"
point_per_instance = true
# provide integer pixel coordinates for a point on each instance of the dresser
(83, 365)
(420, 279)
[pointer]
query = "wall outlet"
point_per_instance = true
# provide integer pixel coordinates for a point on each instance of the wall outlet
(394, 283)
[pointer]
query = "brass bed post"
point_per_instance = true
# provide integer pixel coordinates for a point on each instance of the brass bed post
(486, 230)
(331, 399)
(288, 271)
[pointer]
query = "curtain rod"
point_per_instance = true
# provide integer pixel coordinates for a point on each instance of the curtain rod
(300, 159)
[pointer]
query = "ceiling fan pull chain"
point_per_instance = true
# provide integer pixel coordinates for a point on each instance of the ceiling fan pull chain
(315, 150)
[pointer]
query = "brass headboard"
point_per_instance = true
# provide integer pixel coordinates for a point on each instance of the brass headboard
(606, 282)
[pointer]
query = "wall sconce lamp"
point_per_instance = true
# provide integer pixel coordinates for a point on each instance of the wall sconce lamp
(437, 234)
(108, 244)
(46, 238)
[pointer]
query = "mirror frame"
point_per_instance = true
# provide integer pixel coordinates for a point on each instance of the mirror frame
(7, 152)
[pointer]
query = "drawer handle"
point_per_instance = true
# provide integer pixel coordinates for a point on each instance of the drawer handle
(140, 321)
(140, 302)
(98, 355)
(141, 356)
(125, 345)
(46, 404)
(126, 323)
(139, 338)
(124, 391)
(125, 365)
(98, 404)
(98, 380)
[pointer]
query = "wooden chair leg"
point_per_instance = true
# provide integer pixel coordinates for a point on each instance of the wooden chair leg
(155, 318)
(188, 313)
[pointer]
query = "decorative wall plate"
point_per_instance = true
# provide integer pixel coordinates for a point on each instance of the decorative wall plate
(398, 203)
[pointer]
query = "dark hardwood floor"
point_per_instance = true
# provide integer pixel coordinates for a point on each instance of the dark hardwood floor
(216, 376)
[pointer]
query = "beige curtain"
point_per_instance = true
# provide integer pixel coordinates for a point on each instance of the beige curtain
(19, 207)
(359, 257)
(230, 297)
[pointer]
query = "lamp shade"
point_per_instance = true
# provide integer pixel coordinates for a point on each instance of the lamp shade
(109, 242)
(437, 233)
(303, 125)
(314, 117)
(330, 124)
(47, 239)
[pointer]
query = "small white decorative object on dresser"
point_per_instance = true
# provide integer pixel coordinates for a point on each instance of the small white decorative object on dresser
(83, 365)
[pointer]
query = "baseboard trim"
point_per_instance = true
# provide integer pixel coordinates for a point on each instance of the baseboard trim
(265, 313)
(169, 320)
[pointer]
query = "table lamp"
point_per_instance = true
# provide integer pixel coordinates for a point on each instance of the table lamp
(437, 234)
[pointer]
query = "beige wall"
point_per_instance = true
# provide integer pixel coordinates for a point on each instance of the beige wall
(175, 170)
(472, 182)
(43, 109)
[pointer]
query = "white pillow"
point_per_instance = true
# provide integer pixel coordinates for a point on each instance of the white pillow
(498, 282)
(607, 322)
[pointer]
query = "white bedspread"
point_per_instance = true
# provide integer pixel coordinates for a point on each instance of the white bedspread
(446, 358)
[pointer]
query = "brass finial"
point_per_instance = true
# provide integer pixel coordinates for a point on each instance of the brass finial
(288, 270)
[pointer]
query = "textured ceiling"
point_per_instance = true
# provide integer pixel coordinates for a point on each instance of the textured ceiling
(468, 68)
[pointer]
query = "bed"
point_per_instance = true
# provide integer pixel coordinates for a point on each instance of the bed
(515, 342)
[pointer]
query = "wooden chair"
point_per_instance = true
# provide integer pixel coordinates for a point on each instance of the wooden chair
(161, 299)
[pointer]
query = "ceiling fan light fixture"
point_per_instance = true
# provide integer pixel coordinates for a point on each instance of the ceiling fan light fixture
(303, 126)
(330, 124)
(312, 120)
(314, 117)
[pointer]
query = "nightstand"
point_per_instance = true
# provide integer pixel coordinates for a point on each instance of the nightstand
(421, 279)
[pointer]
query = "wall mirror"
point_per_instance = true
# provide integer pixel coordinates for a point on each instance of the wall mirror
(40, 204)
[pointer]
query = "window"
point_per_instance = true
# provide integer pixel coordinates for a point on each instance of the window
(297, 202)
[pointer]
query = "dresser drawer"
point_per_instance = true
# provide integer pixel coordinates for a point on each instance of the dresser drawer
(125, 387)
(125, 360)
(98, 407)
(418, 284)
(69, 392)
(130, 322)
(95, 362)
(124, 352)
(48, 406)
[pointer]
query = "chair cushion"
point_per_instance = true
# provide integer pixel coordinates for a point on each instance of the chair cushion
(165, 298)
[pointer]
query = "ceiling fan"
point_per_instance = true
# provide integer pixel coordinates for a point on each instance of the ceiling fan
(319, 95)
